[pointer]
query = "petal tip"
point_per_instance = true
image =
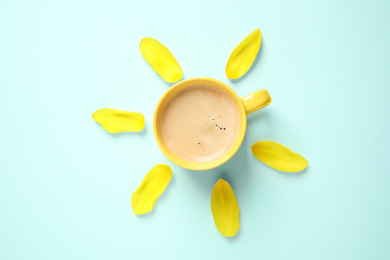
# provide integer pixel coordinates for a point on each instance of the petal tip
(139, 212)
(220, 181)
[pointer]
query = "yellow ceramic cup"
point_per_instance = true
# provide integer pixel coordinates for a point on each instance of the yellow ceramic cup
(245, 106)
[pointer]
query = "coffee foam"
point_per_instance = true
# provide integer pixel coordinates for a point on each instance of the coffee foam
(200, 123)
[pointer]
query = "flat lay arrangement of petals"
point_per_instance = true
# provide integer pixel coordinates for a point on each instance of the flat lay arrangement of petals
(224, 205)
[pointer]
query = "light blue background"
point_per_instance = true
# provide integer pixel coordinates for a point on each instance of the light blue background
(66, 183)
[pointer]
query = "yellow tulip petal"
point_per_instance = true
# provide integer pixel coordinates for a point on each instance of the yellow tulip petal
(278, 156)
(243, 55)
(153, 185)
(225, 209)
(161, 59)
(115, 121)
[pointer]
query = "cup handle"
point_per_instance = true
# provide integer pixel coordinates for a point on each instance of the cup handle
(256, 101)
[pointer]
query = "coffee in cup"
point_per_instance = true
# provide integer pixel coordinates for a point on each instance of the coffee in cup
(200, 123)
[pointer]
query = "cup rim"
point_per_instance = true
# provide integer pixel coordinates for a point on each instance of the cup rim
(182, 85)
